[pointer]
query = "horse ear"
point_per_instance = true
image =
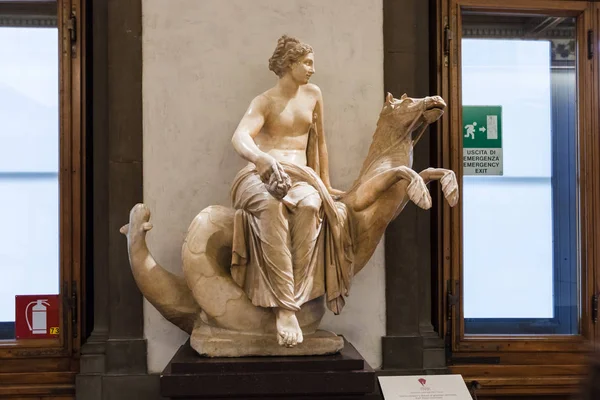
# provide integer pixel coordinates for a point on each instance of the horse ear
(404, 96)
(389, 98)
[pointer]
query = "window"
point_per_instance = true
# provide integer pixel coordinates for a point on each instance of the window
(517, 253)
(519, 210)
(41, 170)
(28, 167)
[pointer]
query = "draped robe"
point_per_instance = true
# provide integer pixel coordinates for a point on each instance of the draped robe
(287, 252)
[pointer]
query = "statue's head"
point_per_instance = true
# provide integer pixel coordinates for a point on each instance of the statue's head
(409, 114)
(293, 57)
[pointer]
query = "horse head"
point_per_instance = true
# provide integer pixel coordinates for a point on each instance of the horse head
(407, 115)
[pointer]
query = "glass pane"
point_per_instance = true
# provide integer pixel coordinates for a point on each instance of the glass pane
(29, 142)
(519, 185)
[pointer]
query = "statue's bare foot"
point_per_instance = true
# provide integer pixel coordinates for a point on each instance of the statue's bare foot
(289, 333)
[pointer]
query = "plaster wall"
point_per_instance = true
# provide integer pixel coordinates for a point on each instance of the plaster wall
(203, 62)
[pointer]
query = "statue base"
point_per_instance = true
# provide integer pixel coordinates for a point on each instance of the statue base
(219, 344)
(345, 375)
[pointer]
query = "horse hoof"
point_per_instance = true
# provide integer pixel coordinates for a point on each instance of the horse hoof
(452, 197)
(450, 188)
(418, 193)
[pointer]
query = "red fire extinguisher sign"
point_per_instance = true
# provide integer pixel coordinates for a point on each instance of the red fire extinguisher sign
(36, 316)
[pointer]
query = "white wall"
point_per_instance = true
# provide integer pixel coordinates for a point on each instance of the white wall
(204, 60)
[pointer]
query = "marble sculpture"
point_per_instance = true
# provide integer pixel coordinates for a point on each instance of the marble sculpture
(258, 277)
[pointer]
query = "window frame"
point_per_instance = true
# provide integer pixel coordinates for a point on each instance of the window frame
(511, 364)
(594, 285)
(48, 366)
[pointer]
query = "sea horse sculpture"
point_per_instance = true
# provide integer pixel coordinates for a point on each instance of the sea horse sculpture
(215, 310)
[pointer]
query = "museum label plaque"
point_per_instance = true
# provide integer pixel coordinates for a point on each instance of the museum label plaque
(426, 387)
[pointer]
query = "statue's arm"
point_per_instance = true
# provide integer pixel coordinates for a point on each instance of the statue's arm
(244, 145)
(248, 128)
(323, 155)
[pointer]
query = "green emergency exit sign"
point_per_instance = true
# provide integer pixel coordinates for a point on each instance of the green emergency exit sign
(482, 140)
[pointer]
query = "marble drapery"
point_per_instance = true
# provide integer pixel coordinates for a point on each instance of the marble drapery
(287, 252)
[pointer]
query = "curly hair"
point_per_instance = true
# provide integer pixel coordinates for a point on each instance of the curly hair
(289, 50)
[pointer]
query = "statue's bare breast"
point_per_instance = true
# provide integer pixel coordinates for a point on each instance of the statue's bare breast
(285, 132)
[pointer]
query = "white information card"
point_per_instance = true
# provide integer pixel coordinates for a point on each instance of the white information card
(426, 387)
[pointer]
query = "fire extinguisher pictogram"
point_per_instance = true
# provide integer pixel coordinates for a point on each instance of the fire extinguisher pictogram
(38, 325)
(37, 316)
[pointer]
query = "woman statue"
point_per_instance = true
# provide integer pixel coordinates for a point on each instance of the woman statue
(294, 249)
(280, 243)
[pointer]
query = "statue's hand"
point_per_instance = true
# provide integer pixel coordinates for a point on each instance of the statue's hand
(278, 188)
(273, 176)
(266, 166)
(335, 193)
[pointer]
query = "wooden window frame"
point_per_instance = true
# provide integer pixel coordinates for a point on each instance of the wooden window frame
(504, 364)
(46, 368)
(594, 286)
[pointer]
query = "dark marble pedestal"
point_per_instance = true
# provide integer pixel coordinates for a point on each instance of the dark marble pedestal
(344, 376)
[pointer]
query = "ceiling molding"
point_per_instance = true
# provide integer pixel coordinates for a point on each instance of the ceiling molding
(28, 21)
(513, 32)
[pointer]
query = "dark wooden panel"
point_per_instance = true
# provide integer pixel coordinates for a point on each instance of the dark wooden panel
(35, 365)
(31, 378)
(29, 8)
(40, 391)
